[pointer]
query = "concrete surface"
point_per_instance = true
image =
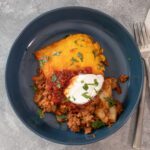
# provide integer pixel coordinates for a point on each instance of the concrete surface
(14, 16)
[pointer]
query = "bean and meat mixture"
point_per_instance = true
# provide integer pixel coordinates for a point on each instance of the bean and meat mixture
(101, 111)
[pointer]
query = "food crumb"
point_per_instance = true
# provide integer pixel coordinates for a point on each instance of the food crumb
(123, 78)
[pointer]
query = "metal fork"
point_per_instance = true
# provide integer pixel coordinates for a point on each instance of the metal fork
(143, 40)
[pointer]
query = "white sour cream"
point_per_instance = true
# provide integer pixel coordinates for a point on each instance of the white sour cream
(83, 88)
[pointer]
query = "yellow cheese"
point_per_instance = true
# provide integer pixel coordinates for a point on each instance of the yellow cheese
(74, 52)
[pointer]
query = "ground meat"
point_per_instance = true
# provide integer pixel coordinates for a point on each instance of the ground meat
(123, 78)
(90, 108)
(38, 96)
(50, 98)
(106, 62)
(87, 130)
(79, 121)
(73, 122)
(86, 117)
(62, 109)
(47, 105)
(119, 107)
(115, 85)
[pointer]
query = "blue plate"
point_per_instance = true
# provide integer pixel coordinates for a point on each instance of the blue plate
(120, 49)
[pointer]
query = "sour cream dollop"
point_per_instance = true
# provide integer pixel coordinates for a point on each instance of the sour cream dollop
(83, 88)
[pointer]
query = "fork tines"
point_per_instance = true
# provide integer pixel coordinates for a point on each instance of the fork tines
(141, 34)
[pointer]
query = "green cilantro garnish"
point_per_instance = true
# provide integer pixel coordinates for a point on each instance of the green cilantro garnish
(80, 55)
(97, 124)
(86, 96)
(58, 85)
(73, 60)
(43, 60)
(57, 53)
(95, 91)
(85, 87)
(78, 41)
(34, 88)
(111, 101)
(74, 98)
(53, 78)
(41, 63)
(67, 99)
(61, 117)
(41, 113)
(95, 82)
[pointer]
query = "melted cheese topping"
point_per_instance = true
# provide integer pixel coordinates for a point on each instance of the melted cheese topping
(74, 52)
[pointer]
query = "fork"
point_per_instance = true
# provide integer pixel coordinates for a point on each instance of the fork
(143, 40)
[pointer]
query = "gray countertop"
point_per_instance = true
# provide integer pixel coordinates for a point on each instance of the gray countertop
(14, 16)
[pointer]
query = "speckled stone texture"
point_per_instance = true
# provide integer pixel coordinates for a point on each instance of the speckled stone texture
(14, 16)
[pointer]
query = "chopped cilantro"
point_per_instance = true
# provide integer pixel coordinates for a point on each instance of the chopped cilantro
(74, 98)
(111, 101)
(41, 63)
(85, 87)
(97, 124)
(57, 53)
(43, 60)
(61, 117)
(34, 88)
(78, 42)
(67, 99)
(80, 55)
(95, 91)
(73, 60)
(41, 113)
(54, 78)
(95, 82)
(58, 85)
(86, 96)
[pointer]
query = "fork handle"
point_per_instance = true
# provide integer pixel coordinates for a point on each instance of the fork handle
(147, 70)
(139, 124)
